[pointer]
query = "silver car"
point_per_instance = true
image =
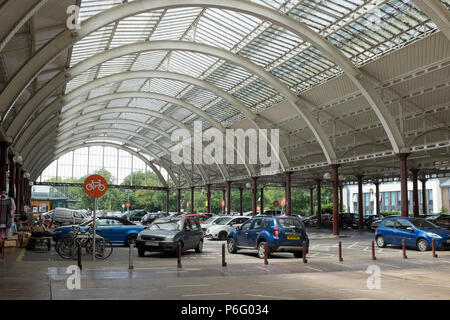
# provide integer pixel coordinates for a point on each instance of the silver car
(224, 226)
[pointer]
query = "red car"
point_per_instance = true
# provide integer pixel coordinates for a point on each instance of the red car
(200, 218)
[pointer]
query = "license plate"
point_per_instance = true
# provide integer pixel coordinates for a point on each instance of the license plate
(448, 241)
(293, 237)
(151, 244)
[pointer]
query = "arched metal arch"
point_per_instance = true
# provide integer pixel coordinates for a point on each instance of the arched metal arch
(44, 56)
(49, 133)
(48, 152)
(130, 151)
(204, 49)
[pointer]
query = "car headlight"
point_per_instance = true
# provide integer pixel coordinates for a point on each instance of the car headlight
(434, 235)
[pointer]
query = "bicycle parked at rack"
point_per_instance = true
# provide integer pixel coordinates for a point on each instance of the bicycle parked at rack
(67, 247)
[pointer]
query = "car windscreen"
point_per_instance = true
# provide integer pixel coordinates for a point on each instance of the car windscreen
(169, 225)
(423, 224)
(223, 221)
(290, 223)
(210, 220)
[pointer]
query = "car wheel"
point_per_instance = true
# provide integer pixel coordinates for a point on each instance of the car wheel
(261, 250)
(231, 245)
(298, 254)
(223, 235)
(199, 247)
(131, 238)
(141, 252)
(380, 242)
(422, 245)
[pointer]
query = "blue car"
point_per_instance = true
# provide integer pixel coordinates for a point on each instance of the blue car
(116, 230)
(281, 233)
(417, 232)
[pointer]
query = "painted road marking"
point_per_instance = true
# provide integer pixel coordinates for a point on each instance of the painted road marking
(313, 268)
(21, 254)
(301, 289)
(353, 245)
(341, 264)
(188, 285)
(262, 268)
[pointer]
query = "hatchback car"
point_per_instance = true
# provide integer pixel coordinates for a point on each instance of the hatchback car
(223, 227)
(417, 232)
(442, 221)
(164, 235)
(282, 234)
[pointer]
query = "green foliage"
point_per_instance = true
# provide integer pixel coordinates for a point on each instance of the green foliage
(444, 210)
(389, 213)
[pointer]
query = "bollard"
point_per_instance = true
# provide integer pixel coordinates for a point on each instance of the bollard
(224, 264)
(179, 255)
(340, 251)
(130, 256)
(304, 252)
(266, 253)
(79, 258)
(433, 249)
(404, 249)
(373, 251)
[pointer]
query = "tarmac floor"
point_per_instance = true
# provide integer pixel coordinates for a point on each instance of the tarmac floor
(42, 274)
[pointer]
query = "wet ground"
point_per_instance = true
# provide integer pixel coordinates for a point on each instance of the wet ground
(42, 275)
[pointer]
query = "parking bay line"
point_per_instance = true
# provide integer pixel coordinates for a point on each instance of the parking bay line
(313, 268)
(205, 294)
(261, 296)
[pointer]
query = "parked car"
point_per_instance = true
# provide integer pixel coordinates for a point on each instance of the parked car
(377, 221)
(134, 215)
(199, 217)
(116, 230)
(367, 221)
(346, 220)
(164, 235)
(222, 228)
(306, 220)
(325, 218)
(417, 232)
(152, 216)
(211, 221)
(282, 234)
(272, 212)
(67, 216)
(442, 221)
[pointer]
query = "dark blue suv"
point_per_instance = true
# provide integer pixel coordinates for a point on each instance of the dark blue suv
(281, 233)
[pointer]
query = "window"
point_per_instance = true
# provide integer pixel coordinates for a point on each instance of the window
(266, 223)
(430, 201)
(257, 224)
(402, 224)
(389, 224)
(386, 201)
(246, 225)
(194, 225)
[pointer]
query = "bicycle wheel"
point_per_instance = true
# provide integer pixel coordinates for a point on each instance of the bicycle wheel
(103, 249)
(64, 248)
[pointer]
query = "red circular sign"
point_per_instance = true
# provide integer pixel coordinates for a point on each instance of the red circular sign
(128, 205)
(95, 186)
(223, 203)
(276, 204)
(283, 201)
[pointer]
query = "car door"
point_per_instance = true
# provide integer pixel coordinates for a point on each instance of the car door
(196, 233)
(106, 228)
(388, 231)
(254, 231)
(242, 234)
(401, 232)
(188, 235)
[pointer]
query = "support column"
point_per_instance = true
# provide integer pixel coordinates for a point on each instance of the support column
(12, 175)
(167, 200)
(18, 181)
(319, 203)
(415, 192)
(334, 168)
(179, 200)
(254, 189)
(424, 196)
(311, 198)
(404, 182)
(288, 193)
(262, 200)
(192, 199)
(3, 164)
(241, 204)
(341, 200)
(208, 198)
(228, 197)
(360, 203)
(377, 196)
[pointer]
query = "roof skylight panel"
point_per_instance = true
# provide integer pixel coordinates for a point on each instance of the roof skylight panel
(175, 23)
(150, 104)
(118, 103)
(114, 66)
(222, 111)
(148, 60)
(162, 124)
(228, 76)
(135, 28)
(237, 117)
(199, 97)
(139, 117)
(178, 113)
(90, 8)
(190, 63)
(131, 85)
(168, 87)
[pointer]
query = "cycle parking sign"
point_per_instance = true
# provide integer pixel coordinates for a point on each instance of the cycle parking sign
(95, 186)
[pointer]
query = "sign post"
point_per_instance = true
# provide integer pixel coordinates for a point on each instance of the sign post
(95, 186)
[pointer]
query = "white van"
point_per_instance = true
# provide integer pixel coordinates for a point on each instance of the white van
(68, 216)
